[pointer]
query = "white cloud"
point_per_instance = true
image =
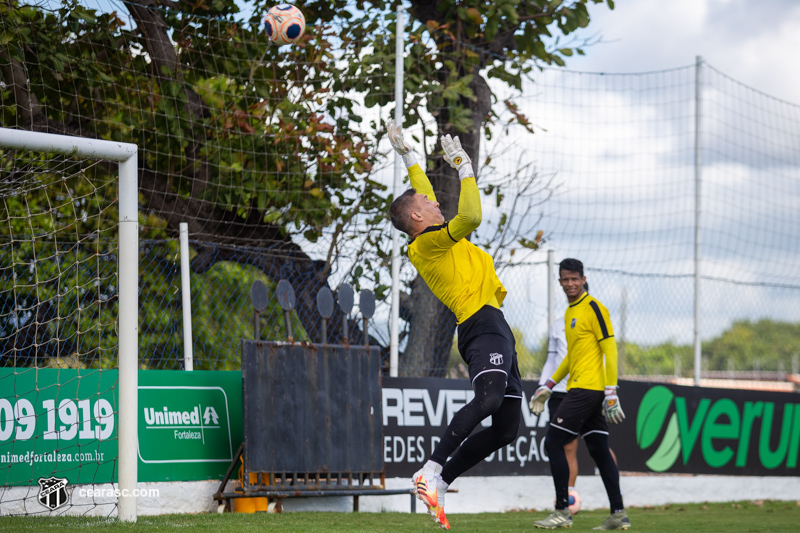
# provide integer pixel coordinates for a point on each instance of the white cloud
(753, 42)
(623, 145)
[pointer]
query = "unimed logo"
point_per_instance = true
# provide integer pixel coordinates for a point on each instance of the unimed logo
(723, 431)
(184, 424)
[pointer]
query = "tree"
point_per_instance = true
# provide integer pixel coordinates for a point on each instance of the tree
(664, 359)
(260, 147)
(765, 345)
(746, 345)
(209, 124)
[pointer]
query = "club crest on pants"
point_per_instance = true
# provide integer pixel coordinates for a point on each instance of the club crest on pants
(53, 492)
(496, 358)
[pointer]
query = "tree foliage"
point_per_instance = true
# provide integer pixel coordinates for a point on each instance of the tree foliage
(766, 345)
(253, 146)
(747, 345)
(256, 146)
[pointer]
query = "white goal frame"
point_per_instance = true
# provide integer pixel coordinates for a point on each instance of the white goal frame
(128, 263)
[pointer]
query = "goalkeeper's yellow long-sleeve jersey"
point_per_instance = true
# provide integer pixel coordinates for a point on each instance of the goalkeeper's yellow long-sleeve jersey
(589, 335)
(459, 273)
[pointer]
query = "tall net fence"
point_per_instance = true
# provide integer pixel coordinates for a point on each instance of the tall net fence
(222, 312)
(269, 154)
(276, 159)
(623, 151)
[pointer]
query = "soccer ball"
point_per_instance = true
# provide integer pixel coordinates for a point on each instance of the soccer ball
(284, 24)
(574, 502)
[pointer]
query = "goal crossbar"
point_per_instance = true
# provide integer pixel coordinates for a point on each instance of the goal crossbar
(126, 155)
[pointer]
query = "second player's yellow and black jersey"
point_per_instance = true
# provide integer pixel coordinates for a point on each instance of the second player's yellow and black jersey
(589, 335)
(459, 273)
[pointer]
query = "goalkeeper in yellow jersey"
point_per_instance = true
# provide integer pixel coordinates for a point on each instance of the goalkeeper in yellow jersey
(462, 276)
(591, 399)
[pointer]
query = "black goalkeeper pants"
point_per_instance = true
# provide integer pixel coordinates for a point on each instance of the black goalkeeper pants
(489, 400)
(597, 444)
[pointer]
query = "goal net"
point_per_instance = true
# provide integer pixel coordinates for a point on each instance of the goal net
(68, 256)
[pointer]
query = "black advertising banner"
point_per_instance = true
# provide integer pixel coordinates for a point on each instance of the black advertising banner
(416, 412)
(694, 430)
(669, 429)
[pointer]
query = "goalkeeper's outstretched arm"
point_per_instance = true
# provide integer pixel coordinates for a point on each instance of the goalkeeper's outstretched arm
(469, 213)
(419, 181)
(469, 201)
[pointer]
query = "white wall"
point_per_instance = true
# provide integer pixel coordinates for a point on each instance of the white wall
(475, 495)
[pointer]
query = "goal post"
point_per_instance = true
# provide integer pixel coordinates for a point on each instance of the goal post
(128, 253)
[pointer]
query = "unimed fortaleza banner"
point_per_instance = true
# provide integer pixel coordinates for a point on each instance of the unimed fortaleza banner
(190, 423)
(64, 424)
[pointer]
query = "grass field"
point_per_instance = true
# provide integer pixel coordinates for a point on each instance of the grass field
(702, 518)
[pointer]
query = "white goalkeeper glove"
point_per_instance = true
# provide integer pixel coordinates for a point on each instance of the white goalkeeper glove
(457, 157)
(399, 145)
(611, 408)
(540, 397)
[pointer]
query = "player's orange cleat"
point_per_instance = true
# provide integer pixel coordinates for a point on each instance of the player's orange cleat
(428, 491)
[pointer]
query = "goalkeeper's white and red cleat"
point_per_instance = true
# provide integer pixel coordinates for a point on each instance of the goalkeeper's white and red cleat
(428, 491)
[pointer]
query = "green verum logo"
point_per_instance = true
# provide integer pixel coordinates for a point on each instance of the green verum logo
(723, 430)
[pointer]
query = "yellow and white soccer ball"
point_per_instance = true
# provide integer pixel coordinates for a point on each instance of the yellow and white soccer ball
(284, 24)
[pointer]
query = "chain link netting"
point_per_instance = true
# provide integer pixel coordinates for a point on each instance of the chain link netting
(653, 321)
(221, 310)
(624, 172)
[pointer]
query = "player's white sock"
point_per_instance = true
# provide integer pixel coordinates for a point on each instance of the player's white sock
(572, 488)
(432, 468)
(441, 489)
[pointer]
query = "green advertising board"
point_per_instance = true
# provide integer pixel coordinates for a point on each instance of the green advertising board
(190, 424)
(685, 429)
(63, 423)
(57, 422)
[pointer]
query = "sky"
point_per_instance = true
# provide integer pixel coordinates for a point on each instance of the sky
(623, 149)
(754, 42)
